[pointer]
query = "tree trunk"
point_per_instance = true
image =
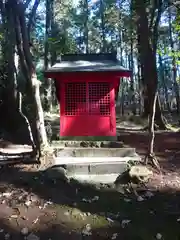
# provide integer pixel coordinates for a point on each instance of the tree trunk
(30, 75)
(148, 60)
(148, 64)
(8, 106)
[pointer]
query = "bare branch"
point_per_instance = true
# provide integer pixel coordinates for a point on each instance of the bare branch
(156, 24)
(152, 14)
(26, 4)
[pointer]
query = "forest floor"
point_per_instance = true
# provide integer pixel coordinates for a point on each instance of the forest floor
(33, 206)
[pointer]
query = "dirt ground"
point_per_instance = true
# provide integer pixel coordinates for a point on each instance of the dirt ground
(166, 147)
(33, 206)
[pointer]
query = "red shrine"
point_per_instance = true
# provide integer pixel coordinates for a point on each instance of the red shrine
(86, 86)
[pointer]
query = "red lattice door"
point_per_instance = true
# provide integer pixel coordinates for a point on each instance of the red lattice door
(87, 109)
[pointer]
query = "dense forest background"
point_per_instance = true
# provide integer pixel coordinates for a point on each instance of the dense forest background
(34, 33)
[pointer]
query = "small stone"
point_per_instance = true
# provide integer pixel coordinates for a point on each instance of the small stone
(14, 216)
(127, 200)
(67, 213)
(95, 198)
(24, 231)
(140, 199)
(7, 236)
(7, 194)
(149, 194)
(87, 230)
(28, 203)
(114, 236)
(34, 198)
(1, 230)
(140, 172)
(32, 236)
(158, 236)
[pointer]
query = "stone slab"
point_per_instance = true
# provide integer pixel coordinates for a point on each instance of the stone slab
(96, 169)
(95, 152)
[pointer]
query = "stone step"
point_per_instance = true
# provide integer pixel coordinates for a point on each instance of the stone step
(94, 168)
(95, 144)
(93, 164)
(94, 160)
(95, 179)
(95, 152)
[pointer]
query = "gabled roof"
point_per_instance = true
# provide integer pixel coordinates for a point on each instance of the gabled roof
(87, 63)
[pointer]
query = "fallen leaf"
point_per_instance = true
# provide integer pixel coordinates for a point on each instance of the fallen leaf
(110, 220)
(125, 222)
(36, 220)
(86, 200)
(95, 198)
(46, 204)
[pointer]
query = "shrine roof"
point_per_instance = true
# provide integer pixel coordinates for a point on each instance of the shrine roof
(87, 63)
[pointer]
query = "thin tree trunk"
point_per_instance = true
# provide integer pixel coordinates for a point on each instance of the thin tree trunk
(86, 37)
(102, 25)
(164, 83)
(47, 81)
(133, 103)
(122, 96)
(32, 18)
(174, 67)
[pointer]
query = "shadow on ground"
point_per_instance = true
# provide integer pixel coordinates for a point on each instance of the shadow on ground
(107, 209)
